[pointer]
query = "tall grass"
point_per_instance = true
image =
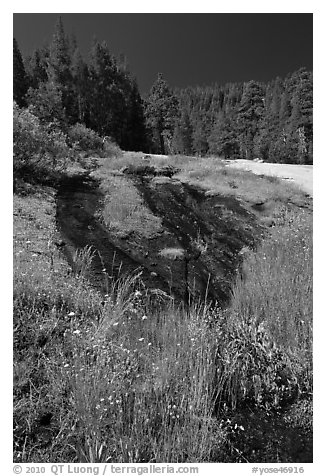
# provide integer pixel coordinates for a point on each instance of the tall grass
(276, 283)
(267, 355)
(144, 391)
(123, 386)
(102, 379)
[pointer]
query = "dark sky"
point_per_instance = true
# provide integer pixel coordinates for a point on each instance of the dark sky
(189, 49)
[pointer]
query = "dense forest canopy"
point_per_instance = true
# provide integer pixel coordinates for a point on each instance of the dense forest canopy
(271, 121)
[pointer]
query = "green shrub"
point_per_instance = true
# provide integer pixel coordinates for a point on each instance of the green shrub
(86, 143)
(266, 355)
(81, 138)
(110, 149)
(253, 369)
(38, 149)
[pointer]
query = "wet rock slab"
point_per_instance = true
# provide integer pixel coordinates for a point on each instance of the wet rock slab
(196, 253)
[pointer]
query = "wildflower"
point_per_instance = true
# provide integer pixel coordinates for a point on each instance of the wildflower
(66, 365)
(71, 314)
(144, 318)
(141, 339)
(149, 344)
(76, 332)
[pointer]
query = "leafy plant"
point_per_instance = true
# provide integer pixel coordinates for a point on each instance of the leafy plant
(84, 139)
(38, 148)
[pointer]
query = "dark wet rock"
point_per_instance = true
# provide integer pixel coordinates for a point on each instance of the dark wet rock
(139, 170)
(212, 230)
(60, 244)
(149, 170)
(259, 206)
(45, 419)
(268, 436)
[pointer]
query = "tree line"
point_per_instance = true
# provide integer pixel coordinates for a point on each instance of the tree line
(57, 84)
(271, 121)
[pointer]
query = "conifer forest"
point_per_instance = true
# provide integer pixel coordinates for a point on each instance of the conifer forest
(271, 121)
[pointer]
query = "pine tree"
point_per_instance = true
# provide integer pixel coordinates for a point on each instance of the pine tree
(20, 85)
(223, 138)
(37, 67)
(182, 135)
(268, 125)
(200, 138)
(102, 72)
(300, 123)
(59, 69)
(80, 76)
(136, 131)
(250, 112)
(161, 113)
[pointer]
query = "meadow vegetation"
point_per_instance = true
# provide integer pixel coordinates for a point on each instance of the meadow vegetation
(211, 174)
(123, 209)
(107, 378)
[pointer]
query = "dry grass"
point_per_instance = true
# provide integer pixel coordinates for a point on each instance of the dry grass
(112, 164)
(172, 253)
(124, 210)
(212, 175)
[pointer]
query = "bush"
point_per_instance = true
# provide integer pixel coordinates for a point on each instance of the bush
(111, 149)
(38, 149)
(81, 138)
(266, 356)
(85, 142)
